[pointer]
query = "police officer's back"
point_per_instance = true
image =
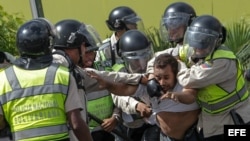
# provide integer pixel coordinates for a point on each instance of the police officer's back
(35, 94)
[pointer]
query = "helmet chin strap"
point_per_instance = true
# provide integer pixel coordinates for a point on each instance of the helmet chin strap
(81, 56)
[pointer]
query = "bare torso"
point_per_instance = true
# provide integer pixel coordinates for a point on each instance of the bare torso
(175, 124)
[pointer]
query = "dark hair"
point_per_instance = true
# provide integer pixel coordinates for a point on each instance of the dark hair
(163, 60)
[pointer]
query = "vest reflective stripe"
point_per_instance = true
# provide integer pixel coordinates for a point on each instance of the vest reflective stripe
(100, 103)
(11, 77)
(33, 91)
(118, 67)
(46, 92)
(37, 132)
(234, 99)
(100, 106)
(214, 99)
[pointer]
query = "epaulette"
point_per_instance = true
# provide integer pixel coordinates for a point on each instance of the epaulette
(74, 70)
(60, 52)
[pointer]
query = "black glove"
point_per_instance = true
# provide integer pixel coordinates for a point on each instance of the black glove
(154, 89)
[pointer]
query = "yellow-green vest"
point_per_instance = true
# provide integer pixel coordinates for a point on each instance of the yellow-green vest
(184, 51)
(100, 103)
(213, 99)
(34, 108)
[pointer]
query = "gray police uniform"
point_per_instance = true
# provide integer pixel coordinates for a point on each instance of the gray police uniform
(221, 72)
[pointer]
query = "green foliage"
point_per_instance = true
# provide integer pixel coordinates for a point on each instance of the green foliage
(238, 39)
(9, 24)
(154, 36)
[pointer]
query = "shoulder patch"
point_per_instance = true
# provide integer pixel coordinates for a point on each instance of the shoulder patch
(206, 65)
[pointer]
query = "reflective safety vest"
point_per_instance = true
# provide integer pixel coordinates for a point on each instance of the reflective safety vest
(214, 99)
(100, 103)
(34, 108)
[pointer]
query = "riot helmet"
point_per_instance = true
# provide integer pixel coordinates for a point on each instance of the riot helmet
(203, 36)
(136, 50)
(73, 33)
(177, 16)
(124, 17)
(35, 38)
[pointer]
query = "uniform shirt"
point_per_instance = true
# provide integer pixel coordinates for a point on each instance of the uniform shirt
(91, 85)
(107, 50)
(222, 72)
(157, 106)
(57, 58)
(166, 105)
(73, 100)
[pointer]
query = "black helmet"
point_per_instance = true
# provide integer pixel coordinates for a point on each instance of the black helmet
(203, 35)
(176, 15)
(72, 33)
(122, 17)
(35, 38)
(136, 50)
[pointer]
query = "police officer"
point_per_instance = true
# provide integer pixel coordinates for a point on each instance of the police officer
(217, 74)
(175, 20)
(74, 40)
(135, 50)
(99, 105)
(120, 20)
(35, 93)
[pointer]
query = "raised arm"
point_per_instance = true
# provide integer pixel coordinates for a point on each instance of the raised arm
(117, 88)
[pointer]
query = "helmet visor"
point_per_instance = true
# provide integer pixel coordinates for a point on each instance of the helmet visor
(138, 25)
(132, 19)
(173, 26)
(92, 38)
(133, 22)
(175, 20)
(136, 61)
(202, 41)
